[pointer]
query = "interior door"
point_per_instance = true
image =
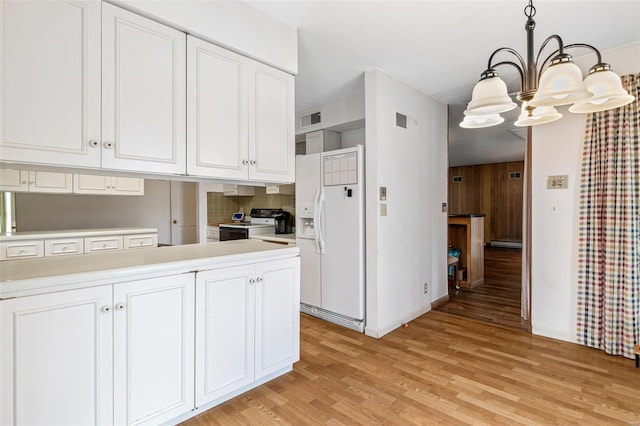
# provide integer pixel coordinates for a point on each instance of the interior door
(183, 213)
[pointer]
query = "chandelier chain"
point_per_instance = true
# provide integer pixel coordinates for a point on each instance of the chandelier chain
(530, 10)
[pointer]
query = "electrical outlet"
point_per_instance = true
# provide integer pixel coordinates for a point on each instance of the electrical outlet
(383, 209)
(426, 288)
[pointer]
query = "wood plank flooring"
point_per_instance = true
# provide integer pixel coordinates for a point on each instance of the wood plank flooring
(497, 301)
(442, 369)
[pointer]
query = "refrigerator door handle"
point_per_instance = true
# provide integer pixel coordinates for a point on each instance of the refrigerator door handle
(320, 217)
(316, 220)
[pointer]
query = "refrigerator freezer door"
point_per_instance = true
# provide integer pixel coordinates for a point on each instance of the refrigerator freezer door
(307, 190)
(310, 274)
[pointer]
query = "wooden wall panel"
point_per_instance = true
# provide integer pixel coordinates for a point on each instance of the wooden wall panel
(487, 189)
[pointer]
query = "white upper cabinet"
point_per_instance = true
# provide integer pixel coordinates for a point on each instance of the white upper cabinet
(271, 126)
(50, 82)
(143, 94)
(33, 181)
(240, 116)
(217, 135)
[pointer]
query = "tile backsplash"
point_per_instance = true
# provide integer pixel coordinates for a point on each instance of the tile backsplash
(221, 207)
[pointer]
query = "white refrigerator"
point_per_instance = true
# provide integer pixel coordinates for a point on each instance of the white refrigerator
(330, 234)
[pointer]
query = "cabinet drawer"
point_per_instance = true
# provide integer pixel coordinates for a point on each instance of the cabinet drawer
(140, 241)
(95, 244)
(21, 250)
(61, 247)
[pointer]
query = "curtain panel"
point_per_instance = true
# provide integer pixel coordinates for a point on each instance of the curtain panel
(608, 311)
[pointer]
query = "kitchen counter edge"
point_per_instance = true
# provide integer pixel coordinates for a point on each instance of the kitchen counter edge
(28, 277)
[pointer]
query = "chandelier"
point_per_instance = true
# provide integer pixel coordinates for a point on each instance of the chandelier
(544, 85)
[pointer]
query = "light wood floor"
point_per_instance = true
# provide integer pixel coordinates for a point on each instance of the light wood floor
(497, 301)
(442, 369)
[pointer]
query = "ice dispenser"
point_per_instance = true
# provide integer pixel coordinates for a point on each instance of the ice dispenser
(305, 228)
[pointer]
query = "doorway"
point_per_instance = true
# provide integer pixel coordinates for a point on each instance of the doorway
(490, 266)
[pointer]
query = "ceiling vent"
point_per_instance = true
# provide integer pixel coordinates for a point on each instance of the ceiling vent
(310, 119)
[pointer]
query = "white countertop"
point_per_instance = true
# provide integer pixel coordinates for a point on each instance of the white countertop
(43, 275)
(278, 238)
(74, 233)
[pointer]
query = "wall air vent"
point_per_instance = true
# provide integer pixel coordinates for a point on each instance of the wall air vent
(310, 119)
(401, 120)
(457, 179)
(515, 175)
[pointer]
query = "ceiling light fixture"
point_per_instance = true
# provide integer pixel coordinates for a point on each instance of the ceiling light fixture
(544, 87)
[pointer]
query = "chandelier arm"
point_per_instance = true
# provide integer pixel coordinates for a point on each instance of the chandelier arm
(522, 67)
(520, 70)
(560, 51)
(571, 46)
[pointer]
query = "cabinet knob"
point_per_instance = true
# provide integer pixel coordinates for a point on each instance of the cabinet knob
(24, 182)
(108, 145)
(119, 306)
(259, 279)
(30, 182)
(104, 245)
(106, 308)
(252, 281)
(252, 162)
(94, 143)
(64, 248)
(245, 162)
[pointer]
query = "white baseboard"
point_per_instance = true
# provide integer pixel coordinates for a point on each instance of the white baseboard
(378, 333)
(565, 335)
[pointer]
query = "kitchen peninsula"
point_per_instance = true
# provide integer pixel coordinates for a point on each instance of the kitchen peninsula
(146, 336)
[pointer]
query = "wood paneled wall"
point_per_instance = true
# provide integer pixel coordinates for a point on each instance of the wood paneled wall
(487, 188)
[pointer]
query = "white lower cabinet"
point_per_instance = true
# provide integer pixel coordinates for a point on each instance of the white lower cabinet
(253, 313)
(153, 349)
(56, 358)
(147, 351)
(115, 354)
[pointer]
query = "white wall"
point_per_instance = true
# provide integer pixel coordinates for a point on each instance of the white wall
(557, 149)
(43, 212)
(336, 113)
(407, 247)
(351, 138)
(235, 25)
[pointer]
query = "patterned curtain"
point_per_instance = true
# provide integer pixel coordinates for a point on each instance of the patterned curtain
(609, 229)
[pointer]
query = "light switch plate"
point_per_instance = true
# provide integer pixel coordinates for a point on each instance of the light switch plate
(558, 182)
(383, 193)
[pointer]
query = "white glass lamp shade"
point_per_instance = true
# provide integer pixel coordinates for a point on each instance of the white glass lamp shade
(607, 90)
(560, 84)
(540, 115)
(479, 121)
(490, 96)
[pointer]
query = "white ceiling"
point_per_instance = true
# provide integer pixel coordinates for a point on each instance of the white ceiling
(440, 48)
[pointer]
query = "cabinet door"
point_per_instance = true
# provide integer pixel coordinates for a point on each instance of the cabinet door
(153, 349)
(271, 125)
(277, 315)
(14, 180)
(53, 182)
(143, 94)
(225, 300)
(91, 184)
(127, 186)
(217, 139)
(56, 359)
(50, 82)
